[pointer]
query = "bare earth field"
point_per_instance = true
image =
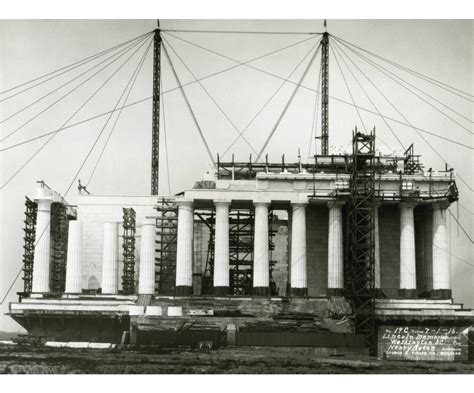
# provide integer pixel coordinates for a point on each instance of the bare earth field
(248, 360)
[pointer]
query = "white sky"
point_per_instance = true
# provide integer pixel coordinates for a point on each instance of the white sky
(440, 49)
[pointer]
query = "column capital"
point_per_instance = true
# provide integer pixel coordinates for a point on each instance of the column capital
(222, 202)
(261, 203)
(440, 205)
(336, 203)
(185, 202)
(299, 204)
(407, 204)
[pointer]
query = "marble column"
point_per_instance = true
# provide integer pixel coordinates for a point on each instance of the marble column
(146, 276)
(41, 261)
(441, 262)
(110, 265)
(335, 250)
(221, 249)
(261, 268)
(74, 258)
(377, 269)
(299, 282)
(184, 253)
(407, 251)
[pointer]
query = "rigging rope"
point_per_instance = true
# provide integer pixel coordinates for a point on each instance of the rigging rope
(418, 130)
(70, 91)
(271, 97)
(239, 64)
(387, 73)
(211, 156)
(347, 87)
(134, 76)
(69, 119)
(65, 84)
(66, 192)
(318, 92)
(413, 72)
(272, 132)
(336, 48)
(80, 62)
(240, 32)
(211, 98)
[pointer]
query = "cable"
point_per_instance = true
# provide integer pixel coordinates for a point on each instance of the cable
(135, 74)
(239, 64)
(272, 132)
(211, 156)
(417, 130)
(420, 75)
(239, 32)
(65, 95)
(83, 61)
(336, 48)
(271, 97)
(74, 124)
(454, 255)
(64, 195)
(393, 106)
(347, 87)
(387, 73)
(69, 119)
(462, 228)
(466, 208)
(209, 95)
(316, 91)
(67, 83)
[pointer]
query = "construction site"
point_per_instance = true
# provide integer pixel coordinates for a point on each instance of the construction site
(344, 252)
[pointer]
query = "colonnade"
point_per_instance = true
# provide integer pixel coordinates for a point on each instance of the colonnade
(298, 256)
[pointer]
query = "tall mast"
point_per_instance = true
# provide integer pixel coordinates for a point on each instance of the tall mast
(325, 92)
(155, 133)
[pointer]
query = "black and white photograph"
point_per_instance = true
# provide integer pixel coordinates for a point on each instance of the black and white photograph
(227, 195)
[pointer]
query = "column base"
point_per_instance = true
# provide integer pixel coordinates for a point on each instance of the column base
(379, 293)
(183, 290)
(298, 292)
(220, 291)
(261, 291)
(408, 293)
(441, 294)
(335, 292)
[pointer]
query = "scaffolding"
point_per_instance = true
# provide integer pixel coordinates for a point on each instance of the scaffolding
(360, 237)
(166, 240)
(59, 236)
(31, 209)
(241, 238)
(241, 243)
(207, 279)
(129, 229)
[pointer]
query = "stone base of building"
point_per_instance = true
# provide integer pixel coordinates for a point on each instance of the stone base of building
(408, 293)
(261, 291)
(220, 291)
(379, 292)
(184, 290)
(298, 292)
(335, 292)
(441, 294)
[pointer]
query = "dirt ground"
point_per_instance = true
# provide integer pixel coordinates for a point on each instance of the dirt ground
(241, 360)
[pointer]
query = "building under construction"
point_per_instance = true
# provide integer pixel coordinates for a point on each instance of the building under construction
(345, 252)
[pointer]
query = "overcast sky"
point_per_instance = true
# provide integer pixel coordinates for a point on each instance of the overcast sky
(439, 49)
